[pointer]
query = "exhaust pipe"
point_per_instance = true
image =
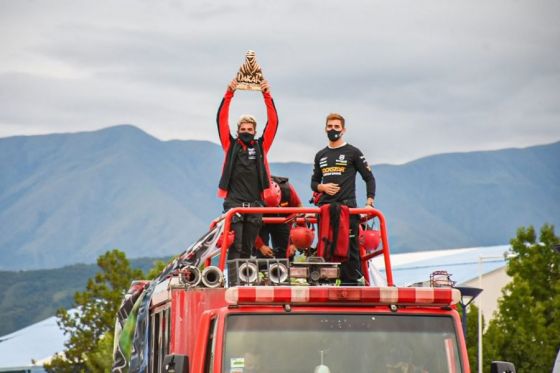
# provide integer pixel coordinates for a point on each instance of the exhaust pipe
(190, 275)
(248, 273)
(212, 277)
(278, 273)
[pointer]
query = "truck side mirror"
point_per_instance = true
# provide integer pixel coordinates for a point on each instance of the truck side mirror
(502, 367)
(176, 364)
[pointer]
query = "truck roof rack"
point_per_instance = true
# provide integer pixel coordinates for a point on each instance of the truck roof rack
(302, 215)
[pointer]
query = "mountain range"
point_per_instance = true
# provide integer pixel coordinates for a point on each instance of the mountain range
(46, 290)
(67, 198)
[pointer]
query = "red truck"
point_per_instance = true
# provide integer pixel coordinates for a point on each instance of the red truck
(275, 316)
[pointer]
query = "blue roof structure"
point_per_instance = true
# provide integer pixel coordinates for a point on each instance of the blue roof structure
(462, 264)
(38, 341)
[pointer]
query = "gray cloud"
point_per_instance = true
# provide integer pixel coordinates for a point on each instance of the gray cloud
(412, 78)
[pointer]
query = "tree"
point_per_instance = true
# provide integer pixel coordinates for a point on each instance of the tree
(472, 334)
(158, 267)
(91, 325)
(526, 329)
(101, 359)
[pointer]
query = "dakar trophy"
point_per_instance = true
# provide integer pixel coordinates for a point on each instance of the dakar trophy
(250, 74)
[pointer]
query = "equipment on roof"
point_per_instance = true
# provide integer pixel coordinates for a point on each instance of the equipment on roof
(441, 279)
(212, 277)
(369, 238)
(315, 271)
(272, 195)
(229, 239)
(190, 275)
(302, 237)
(258, 272)
(278, 273)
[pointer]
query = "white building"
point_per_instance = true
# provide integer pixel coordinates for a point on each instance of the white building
(464, 265)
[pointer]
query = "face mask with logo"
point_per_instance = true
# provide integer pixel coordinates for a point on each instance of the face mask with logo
(246, 137)
(334, 135)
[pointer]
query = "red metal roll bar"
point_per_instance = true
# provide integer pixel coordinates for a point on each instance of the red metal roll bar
(298, 213)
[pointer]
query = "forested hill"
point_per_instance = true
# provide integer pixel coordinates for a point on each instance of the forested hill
(32, 296)
(67, 198)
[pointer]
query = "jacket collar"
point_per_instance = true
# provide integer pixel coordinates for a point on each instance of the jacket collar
(243, 144)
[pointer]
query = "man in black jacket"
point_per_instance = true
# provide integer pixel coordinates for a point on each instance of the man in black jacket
(334, 176)
(245, 173)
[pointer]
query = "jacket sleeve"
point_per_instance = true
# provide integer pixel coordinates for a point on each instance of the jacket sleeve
(259, 242)
(272, 122)
(295, 201)
(222, 120)
(365, 171)
(317, 175)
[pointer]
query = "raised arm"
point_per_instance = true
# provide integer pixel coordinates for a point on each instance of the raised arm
(222, 117)
(272, 117)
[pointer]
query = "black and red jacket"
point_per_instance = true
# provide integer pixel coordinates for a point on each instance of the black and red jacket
(289, 196)
(231, 144)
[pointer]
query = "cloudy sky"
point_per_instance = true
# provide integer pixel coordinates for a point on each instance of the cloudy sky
(412, 78)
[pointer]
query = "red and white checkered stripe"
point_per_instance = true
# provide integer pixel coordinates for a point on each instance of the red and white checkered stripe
(342, 294)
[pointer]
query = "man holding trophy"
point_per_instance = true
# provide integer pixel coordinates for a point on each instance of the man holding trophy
(245, 172)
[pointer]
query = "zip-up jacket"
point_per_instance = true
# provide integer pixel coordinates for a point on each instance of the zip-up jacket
(232, 145)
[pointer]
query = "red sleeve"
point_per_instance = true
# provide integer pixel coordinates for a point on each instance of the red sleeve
(294, 197)
(272, 122)
(223, 120)
(259, 242)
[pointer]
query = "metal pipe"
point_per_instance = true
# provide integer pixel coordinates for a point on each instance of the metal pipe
(480, 316)
(212, 277)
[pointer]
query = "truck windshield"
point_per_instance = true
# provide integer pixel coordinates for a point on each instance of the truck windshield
(340, 343)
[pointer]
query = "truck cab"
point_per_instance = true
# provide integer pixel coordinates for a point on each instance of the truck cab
(225, 319)
(338, 329)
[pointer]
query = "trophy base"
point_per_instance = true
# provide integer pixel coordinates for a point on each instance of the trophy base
(249, 86)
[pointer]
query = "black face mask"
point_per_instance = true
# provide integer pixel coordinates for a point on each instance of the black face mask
(334, 135)
(246, 137)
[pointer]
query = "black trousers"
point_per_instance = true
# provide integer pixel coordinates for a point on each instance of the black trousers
(246, 228)
(351, 270)
(279, 234)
